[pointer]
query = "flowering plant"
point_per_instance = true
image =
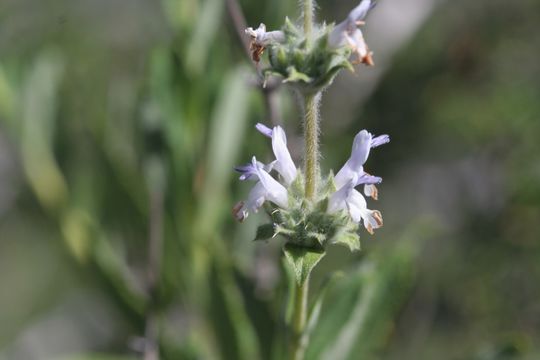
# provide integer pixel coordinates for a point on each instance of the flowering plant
(309, 210)
(336, 211)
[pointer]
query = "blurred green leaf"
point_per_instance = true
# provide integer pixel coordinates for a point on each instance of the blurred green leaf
(38, 117)
(202, 40)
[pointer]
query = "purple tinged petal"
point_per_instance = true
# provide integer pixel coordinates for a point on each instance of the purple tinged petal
(246, 171)
(356, 204)
(345, 174)
(380, 140)
(263, 129)
(360, 12)
(360, 150)
(249, 170)
(368, 179)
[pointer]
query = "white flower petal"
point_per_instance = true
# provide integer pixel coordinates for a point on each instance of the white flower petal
(371, 191)
(356, 204)
(275, 192)
(256, 198)
(338, 200)
(285, 165)
(372, 219)
(338, 36)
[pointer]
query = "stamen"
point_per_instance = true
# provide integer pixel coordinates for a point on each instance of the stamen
(237, 212)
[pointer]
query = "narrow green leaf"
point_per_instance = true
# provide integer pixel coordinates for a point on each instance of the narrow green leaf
(315, 312)
(205, 31)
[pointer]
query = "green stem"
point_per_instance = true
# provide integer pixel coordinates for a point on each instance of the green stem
(308, 19)
(311, 138)
(299, 320)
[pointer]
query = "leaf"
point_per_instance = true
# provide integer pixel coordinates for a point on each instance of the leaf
(38, 119)
(265, 232)
(315, 312)
(348, 239)
(361, 309)
(302, 261)
(228, 125)
(206, 29)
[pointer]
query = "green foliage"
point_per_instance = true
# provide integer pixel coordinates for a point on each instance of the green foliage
(106, 105)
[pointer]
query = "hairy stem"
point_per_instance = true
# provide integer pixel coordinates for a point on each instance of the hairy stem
(299, 320)
(311, 138)
(308, 19)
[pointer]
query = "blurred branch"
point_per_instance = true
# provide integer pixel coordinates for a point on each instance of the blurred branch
(268, 90)
(155, 255)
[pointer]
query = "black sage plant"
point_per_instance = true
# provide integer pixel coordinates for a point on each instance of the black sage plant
(308, 209)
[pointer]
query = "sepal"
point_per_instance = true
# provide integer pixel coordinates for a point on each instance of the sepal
(309, 225)
(265, 232)
(348, 238)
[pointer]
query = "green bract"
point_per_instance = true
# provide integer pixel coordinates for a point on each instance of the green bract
(309, 68)
(308, 225)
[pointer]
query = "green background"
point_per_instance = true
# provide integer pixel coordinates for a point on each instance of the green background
(117, 116)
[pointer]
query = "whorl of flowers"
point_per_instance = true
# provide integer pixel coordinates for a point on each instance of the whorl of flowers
(337, 211)
(311, 67)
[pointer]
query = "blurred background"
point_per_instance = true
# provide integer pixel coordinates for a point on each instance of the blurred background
(121, 121)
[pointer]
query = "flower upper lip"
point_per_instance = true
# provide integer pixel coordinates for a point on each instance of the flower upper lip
(284, 164)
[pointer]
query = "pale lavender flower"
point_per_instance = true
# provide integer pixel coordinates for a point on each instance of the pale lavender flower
(347, 33)
(347, 198)
(363, 142)
(266, 189)
(263, 38)
(260, 39)
(284, 164)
